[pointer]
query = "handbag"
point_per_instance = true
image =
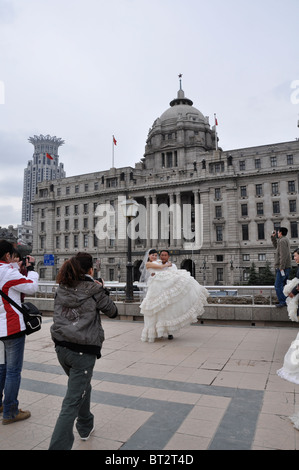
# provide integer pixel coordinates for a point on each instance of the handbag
(32, 315)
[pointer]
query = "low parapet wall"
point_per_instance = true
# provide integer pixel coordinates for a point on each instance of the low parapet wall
(214, 313)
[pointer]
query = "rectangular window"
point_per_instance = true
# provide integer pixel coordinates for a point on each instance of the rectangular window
(218, 212)
(274, 188)
(244, 210)
(294, 230)
(258, 189)
(261, 231)
(243, 191)
(260, 208)
(219, 233)
(293, 205)
(276, 207)
(257, 163)
(273, 161)
(291, 186)
(245, 232)
(290, 160)
(217, 193)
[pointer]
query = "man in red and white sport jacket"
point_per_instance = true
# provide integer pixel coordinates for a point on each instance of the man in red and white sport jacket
(12, 331)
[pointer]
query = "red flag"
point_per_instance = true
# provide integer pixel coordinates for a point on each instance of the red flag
(216, 122)
(114, 140)
(49, 156)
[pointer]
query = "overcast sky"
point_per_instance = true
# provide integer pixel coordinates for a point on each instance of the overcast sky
(83, 70)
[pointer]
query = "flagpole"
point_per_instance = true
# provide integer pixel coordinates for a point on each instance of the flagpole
(216, 140)
(112, 151)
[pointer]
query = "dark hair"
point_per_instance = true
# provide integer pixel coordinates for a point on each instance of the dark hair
(5, 247)
(74, 269)
(152, 251)
(85, 260)
(17, 254)
(166, 251)
(296, 251)
(283, 230)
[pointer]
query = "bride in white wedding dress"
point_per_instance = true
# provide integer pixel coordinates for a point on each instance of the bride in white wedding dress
(173, 299)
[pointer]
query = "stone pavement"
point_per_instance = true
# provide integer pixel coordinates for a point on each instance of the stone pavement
(211, 387)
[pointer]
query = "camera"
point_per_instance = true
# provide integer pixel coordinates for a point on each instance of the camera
(24, 261)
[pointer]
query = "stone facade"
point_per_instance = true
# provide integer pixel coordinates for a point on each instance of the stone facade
(222, 205)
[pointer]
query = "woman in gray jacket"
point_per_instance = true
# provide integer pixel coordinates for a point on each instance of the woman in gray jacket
(78, 336)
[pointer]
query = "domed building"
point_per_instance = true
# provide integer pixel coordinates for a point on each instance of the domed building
(214, 210)
(179, 136)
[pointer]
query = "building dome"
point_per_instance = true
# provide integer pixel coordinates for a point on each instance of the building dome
(181, 131)
(181, 108)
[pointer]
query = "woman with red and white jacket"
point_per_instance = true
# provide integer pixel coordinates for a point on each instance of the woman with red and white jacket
(12, 331)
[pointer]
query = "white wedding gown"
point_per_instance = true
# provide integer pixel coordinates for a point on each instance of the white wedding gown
(290, 371)
(174, 299)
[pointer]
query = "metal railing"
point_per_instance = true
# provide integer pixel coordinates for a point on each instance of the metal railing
(238, 295)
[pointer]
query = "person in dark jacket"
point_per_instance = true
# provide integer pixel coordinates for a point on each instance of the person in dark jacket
(78, 336)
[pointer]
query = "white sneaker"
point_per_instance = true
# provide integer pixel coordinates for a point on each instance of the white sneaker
(86, 437)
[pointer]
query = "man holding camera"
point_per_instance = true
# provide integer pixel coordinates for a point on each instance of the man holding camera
(12, 331)
(283, 262)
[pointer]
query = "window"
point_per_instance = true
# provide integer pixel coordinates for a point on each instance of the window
(245, 232)
(274, 188)
(290, 160)
(273, 161)
(85, 208)
(76, 224)
(67, 190)
(58, 211)
(219, 258)
(219, 233)
(262, 256)
(57, 242)
(76, 188)
(57, 225)
(291, 186)
(67, 210)
(66, 224)
(219, 275)
(242, 165)
(243, 191)
(260, 231)
(86, 187)
(217, 193)
(76, 210)
(76, 241)
(111, 274)
(258, 189)
(96, 185)
(43, 213)
(294, 230)
(218, 211)
(66, 241)
(293, 205)
(85, 240)
(95, 240)
(257, 163)
(244, 210)
(246, 257)
(260, 208)
(276, 207)
(42, 226)
(85, 223)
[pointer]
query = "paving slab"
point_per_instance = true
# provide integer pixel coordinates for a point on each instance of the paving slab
(213, 387)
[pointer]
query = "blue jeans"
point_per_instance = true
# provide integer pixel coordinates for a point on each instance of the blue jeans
(76, 404)
(280, 282)
(10, 375)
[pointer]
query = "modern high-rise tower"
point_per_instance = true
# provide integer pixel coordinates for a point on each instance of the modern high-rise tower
(43, 166)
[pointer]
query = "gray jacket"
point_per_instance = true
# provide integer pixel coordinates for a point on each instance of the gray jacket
(77, 323)
(282, 258)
